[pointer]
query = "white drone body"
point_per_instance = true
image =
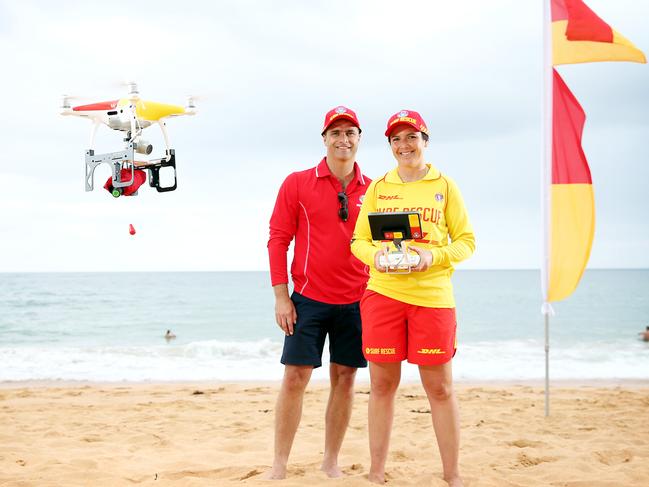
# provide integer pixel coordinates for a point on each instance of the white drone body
(130, 115)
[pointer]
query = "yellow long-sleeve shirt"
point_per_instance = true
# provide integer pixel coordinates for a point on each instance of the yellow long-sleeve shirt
(443, 215)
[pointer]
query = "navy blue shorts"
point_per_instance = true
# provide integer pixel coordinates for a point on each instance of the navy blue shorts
(314, 321)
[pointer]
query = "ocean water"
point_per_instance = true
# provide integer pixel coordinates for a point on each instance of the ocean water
(110, 327)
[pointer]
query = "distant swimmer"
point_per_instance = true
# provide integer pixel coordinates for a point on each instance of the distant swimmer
(644, 335)
(169, 335)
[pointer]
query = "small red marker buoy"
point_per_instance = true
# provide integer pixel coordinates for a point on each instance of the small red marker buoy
(131, 229)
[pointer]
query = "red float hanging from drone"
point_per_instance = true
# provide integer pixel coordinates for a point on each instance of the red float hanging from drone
(130, 115)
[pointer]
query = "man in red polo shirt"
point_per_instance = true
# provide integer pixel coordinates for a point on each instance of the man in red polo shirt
(318, 208)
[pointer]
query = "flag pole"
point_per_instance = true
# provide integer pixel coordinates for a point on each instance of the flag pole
(546, 182)
(547, 365)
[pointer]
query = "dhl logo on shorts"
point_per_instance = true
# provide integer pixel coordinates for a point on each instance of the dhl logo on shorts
(380, 351)
(431, 351)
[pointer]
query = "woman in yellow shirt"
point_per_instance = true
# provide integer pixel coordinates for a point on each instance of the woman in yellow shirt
(412, 316)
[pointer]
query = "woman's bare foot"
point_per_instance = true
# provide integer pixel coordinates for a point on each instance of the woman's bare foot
(377, 478)
(277, 472)
(332, 470)
(454, 482)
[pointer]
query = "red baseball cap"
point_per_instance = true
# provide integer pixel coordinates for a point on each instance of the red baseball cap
(338, 113)
(406, 117)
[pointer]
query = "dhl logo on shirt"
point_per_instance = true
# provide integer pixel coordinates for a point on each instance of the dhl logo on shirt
(389, 197)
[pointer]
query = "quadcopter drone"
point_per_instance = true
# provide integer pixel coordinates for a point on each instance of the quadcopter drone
(130, 115)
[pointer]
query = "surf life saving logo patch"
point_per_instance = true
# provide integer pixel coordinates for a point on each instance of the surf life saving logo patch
(337, 112)
(380, 351)
(403, 113)
(439, 197)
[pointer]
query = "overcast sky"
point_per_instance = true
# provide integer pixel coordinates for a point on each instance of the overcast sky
(268, 72)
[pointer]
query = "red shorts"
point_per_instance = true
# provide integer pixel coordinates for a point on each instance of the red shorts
(394, 331)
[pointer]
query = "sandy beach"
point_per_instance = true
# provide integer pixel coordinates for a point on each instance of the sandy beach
(221, 434)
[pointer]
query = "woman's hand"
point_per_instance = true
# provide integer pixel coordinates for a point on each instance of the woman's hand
(425, 259)
(377, 265)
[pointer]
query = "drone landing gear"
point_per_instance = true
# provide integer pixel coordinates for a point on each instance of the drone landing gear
(154, 167)
(127, 174)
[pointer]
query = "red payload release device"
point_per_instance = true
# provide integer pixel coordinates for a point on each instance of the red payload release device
(139, 178)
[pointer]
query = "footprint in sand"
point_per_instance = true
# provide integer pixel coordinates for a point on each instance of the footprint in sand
(399, 456)
(421, 410)
(252, 473)
(354, 468)
(613, 457)
(257, 389)
(297, 471)
(92, 439)
(526, 443)
(525, 460)
(233, 473)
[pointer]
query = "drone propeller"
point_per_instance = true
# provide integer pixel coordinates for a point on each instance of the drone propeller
(66, 107)
(133, 93)
(190, 104)
(65, 99)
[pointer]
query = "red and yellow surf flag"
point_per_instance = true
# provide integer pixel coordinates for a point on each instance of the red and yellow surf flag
(580, 36)
(572, 217)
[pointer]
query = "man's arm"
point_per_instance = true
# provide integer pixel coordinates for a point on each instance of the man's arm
(283, 225)
(285, 314)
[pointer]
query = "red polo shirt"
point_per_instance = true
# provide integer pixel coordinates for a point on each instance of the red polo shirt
(306, 209)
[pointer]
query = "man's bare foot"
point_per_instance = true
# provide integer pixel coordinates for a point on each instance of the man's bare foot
(332, 470)
(277, 472)
(377, 478)
(454, 482)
